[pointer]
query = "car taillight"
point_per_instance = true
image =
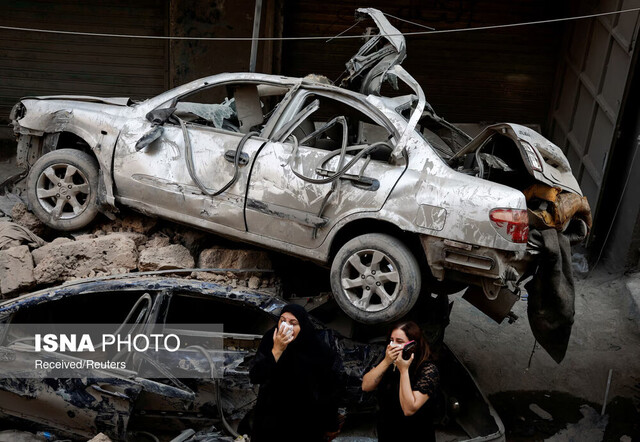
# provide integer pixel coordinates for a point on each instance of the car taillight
(511, 224)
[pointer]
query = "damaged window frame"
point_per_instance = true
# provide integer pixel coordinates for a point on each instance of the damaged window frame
(296, 113)
(268, 88)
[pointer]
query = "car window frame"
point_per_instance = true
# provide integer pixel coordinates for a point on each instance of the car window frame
(299, 97)
(172, 102)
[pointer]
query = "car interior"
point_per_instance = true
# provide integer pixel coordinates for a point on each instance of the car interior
(237, 107)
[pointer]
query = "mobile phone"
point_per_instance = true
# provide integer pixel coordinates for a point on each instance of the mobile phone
(408, 349)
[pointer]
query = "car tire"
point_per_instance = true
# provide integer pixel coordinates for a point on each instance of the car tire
(375, 278)
(62, 188)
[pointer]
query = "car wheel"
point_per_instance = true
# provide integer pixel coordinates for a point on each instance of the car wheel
(62, 189)
(375, 278)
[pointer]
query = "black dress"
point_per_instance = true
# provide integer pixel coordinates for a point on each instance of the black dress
(297, 400)
(393, 425)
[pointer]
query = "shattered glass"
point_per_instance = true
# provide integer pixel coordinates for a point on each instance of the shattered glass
(215, 113)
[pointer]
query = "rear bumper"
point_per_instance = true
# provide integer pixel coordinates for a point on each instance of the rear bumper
(447, 258)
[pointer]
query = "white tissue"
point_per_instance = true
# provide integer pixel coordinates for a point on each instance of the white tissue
(286, 328)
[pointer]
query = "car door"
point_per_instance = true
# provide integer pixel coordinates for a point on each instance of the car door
(295, 195)
(189, 171)
(217, 332)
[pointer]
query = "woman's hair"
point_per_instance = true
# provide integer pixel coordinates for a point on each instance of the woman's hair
(414, 332)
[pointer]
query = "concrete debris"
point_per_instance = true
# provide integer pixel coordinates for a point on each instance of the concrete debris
(13, 235)
(64, 259)
(21, 215)
(100, 437)
(234, 259)
(131, 244)
(129, 223)
(172, 256)
(16, 270)
(254, 282)
(139, 238)
(535, 408)
(191, 239)
(158, 240)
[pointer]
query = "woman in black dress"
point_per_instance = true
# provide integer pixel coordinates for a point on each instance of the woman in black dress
(407, 389)
(298, 389)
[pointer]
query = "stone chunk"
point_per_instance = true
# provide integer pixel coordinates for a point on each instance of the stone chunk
(254, 282)
(169, 257)
(100, 437)
(16, 270)
(234, 259)
(23, 217)
(64, 259)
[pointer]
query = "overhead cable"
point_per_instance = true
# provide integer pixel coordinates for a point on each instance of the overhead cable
(418, 33)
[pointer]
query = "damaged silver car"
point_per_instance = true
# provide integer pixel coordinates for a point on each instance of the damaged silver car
(378, 187)
(126, 405)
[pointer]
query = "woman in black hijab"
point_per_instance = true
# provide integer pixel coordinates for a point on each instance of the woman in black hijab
(297, 398)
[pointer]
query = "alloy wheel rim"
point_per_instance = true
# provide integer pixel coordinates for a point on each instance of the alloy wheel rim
(63, 191)
(370, 280)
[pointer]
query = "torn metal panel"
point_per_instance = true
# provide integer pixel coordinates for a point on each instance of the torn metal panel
(70, 406)
(544, 161)
(371, 62)
(555, 208)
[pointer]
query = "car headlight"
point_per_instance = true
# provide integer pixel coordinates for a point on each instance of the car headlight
(18, 111)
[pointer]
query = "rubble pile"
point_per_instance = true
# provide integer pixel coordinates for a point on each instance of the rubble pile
(38, 256)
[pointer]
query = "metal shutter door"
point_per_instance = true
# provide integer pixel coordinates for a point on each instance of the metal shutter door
(594, 77)
(49, 64)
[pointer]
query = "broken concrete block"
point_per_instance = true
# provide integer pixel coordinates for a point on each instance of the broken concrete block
(191, 239)
(157, 240)
(173, 256)
(100, 437)
(129, 223)
(23, 217)
(209, 277)
(254, 282)
(234, 259)
(63, 259)
(16, 270)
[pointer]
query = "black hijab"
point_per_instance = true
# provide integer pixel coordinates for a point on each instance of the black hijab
(305, 368)
(307, 334)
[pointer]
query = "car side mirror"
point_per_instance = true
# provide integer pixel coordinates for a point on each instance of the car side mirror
(160, 116)
(148, 138)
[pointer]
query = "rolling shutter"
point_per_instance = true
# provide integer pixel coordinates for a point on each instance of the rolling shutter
(51, 64)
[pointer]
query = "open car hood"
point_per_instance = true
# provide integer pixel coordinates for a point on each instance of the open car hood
(367, 68)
